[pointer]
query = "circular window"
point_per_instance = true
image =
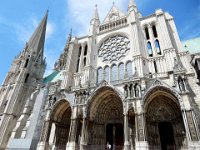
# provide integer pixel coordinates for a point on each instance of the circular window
(114, 48)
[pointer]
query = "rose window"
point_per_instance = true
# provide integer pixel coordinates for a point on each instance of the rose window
(114, 48)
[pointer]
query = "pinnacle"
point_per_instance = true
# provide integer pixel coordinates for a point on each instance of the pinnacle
(96, 15)
(37, 40)
(131, 3)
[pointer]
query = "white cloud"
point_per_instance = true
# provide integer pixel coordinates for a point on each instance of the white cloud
(25, 30)
(50, 30)
(81, 12)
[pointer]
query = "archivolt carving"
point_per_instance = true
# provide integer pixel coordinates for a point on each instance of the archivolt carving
(163, 109)
(114, 48)
(165, 91)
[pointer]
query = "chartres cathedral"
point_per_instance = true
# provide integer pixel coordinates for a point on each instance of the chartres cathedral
(130, 84)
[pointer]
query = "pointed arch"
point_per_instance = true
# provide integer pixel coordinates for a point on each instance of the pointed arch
(105, 113)
(58, 109)
(106, 73)
(26, 63)
(129, 69)
(121, 71)
(60, 118)
(99, 74)
(149, 48)
(163, 113)
(113, 72)
(147, 33)
(154, 31)
(157, 44)
(181, 84)
(160, 88)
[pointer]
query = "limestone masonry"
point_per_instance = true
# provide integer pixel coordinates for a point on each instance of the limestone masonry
(129, 84)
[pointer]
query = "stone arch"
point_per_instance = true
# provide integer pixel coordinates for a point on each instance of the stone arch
(111, 35)
(173, 94)
(105, 117)
(165, 126)
(60, 119)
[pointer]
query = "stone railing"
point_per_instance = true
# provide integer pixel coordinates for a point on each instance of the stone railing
(112, 25)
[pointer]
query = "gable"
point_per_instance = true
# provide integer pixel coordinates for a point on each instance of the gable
(114, 14)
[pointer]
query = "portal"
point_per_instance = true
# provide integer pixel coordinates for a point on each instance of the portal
(166, 136)
(114, 135)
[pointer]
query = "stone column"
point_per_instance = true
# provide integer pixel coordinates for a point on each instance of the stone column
(191, 127)
(191, 121)
(52, 136)
(71, 144)
(126, 141)
(126, 131)
(83, 132)
(141, 142)
(43, 144)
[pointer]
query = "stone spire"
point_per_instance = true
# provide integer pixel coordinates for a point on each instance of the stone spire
(37, 40)
(132, 6)
(96, 14)
(131, 3)
(61, 62)
(94, 23)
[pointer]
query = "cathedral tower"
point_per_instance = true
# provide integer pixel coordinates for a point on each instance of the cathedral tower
(25, 74)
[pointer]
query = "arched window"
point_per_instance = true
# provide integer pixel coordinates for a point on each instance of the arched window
(158, 47)
(26, 63)
(121, 71)
(106, 73)
(149, 47)
(155, 66)
(129, 69)
(147, 33)
(181, 84)
(85, 55)
(26, 79)
(84, 61)
(137, 90)
(154, 31)
(78, 60)
(114, 73)
(79, 52)
(77, 65)
(99, 75)
(85, 51)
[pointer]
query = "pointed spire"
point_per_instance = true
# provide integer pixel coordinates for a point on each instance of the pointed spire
(69, 40)
(132, 3)
(37, 40)
(132, 6)
(96, 14)
(61, 62)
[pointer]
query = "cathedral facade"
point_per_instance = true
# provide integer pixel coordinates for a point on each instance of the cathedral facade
(129, 85)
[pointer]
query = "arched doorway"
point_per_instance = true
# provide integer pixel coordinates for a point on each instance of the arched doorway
(164, 122)
(106, 119)
(60, 125)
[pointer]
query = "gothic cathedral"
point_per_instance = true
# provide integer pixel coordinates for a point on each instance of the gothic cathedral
(128, 85)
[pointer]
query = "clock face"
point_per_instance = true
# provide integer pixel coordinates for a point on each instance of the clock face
(114, 48)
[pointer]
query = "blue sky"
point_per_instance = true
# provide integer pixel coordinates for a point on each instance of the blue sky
(19, 18)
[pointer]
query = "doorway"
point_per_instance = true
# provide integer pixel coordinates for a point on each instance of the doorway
(166, 136)
(114, 135)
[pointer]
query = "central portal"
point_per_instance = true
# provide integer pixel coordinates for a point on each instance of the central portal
(106, 120)
(114, 135)
(166, 136)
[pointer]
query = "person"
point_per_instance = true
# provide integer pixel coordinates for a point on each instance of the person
(108, 146)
